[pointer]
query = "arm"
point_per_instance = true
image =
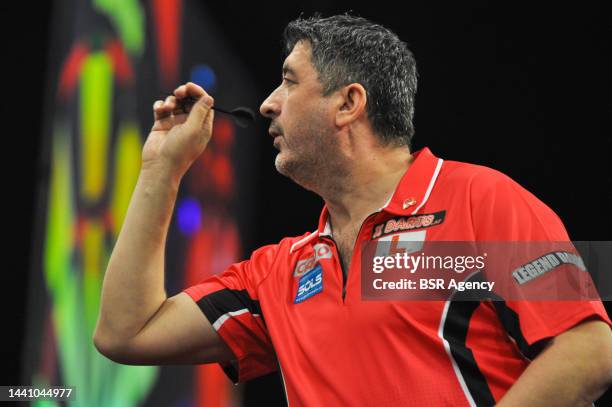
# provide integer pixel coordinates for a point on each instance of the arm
(574, 370)
(137, 323)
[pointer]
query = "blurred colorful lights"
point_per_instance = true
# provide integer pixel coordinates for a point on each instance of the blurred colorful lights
(189, 216)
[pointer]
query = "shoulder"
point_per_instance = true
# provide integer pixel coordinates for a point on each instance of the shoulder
(254, 270)
(282, 249)
(491, 191)
(273, 258)
(472, 174)
(501, 207)
(482, 182)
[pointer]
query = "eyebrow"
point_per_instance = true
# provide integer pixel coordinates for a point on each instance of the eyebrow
(288, 70)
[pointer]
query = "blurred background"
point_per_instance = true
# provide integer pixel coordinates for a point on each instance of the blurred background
(521, 88)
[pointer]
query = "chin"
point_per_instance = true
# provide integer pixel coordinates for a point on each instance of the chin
(293, 171)
(281, 165)
(286, 166)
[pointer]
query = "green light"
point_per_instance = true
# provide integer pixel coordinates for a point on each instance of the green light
(128, 19)
(96, 92)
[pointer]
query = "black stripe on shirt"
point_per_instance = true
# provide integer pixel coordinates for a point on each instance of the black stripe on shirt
(218, 303)
(510, 321)
(455, 329)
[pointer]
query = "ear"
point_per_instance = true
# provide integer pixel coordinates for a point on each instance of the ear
(351, 104)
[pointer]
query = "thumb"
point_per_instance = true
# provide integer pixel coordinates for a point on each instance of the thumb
(199, 111)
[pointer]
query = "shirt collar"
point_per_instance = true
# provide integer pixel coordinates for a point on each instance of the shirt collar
(410, 194)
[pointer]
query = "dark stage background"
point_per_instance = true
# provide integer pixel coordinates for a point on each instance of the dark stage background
(524, 89)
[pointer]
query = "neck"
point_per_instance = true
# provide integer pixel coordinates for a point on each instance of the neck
(366, 184)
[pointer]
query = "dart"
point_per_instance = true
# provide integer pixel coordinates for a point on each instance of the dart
(243, 116)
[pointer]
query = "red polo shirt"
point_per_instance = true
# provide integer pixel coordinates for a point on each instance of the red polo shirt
(284, 307)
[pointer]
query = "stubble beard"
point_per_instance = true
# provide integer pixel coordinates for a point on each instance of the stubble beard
(314, 163)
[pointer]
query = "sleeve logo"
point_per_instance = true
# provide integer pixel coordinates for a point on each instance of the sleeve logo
(544, 264)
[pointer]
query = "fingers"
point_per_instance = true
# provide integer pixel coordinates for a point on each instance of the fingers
(165, 108)
(201, 107)
(200, 111)
(158, 110)
(180, 102)
(189, 89)
(180, 92)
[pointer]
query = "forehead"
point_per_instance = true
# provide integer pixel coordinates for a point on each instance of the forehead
(299, 59)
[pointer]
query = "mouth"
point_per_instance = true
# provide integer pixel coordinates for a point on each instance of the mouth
(275, 135)
(276, 142)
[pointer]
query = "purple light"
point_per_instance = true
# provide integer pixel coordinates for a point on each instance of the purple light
(189, 216)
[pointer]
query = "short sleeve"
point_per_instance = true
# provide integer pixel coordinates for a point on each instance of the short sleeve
(231, 303)
(504, 211)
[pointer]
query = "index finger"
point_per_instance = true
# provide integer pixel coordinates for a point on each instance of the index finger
(189, 89)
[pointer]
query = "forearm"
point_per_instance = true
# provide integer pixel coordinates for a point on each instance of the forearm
(133, 288)
(573, 371)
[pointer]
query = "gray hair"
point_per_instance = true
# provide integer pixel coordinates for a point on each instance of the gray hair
(348, 49)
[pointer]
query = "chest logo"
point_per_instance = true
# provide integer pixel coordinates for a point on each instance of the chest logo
(310, 283)
(406, 223)
(321, 251)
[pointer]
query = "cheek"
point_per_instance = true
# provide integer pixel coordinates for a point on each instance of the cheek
(306, 125)
(294, 120)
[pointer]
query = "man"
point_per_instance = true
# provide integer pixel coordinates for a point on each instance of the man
(342, 122)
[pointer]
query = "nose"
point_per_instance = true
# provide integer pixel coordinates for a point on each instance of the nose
(271, 107)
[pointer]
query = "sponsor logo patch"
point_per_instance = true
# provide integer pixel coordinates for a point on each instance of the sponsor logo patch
(310, 283)
(405, 223)
(321, 251)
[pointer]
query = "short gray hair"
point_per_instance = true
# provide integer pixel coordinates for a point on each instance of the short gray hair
(348, 49)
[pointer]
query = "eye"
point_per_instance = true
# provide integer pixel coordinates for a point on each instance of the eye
(289, 81)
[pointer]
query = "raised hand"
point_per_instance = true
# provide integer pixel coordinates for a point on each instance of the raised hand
(179, 134)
